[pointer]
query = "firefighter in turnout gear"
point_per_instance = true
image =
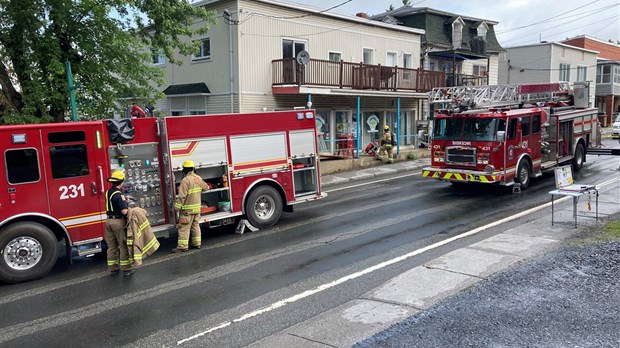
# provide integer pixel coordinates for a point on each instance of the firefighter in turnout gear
(115, 233)
(187, 204)
(387, 143)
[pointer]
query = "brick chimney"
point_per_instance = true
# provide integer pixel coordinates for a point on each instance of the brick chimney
(362, 14)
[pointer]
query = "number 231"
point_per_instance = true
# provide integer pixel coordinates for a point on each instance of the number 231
(71, 191)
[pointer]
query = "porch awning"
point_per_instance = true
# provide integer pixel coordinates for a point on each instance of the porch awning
(187, 89)
(460, 55)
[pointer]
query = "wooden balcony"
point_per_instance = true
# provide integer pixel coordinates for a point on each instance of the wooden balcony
(325, 73)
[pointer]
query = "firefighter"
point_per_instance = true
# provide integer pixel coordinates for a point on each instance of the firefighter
(187, 204)
(115, 234)
(136, 111)
(387, 142)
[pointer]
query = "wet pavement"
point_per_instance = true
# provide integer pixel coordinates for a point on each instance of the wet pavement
(531, 284)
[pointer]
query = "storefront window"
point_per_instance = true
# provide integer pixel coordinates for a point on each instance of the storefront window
(371, 124)
(323, 131)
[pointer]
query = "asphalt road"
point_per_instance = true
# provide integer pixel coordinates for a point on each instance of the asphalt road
(239, 289)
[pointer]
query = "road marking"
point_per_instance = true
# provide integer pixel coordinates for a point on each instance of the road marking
(379, 266)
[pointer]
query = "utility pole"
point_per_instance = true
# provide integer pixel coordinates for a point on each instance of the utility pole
(74, 116)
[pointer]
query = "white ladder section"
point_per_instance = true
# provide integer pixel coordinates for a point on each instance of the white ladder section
(500, 95)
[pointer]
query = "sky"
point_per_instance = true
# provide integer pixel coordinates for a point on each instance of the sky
(521, 22)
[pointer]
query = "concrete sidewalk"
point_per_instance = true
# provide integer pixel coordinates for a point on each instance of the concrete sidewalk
(422, 287)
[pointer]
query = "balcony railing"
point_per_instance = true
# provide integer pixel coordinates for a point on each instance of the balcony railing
(354, 76)
(453, 80)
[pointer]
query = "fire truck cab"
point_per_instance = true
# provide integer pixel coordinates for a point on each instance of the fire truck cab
(53, 190)
(523, 131)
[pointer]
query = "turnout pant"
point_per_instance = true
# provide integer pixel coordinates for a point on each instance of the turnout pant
(189, 227)
(116, 238)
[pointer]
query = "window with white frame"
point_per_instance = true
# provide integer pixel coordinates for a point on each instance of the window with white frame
(292, 47)
(457, 33)
(204, 50)
(391, 58)
(603, 74)
(158, 57)
(335, 56)
(564, 72)
(482, 30)
(407, 60)
(480, 70)
(581, 73)
(369, 56)
(617, 74)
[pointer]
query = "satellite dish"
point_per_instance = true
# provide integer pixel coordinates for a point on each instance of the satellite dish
(303, 57)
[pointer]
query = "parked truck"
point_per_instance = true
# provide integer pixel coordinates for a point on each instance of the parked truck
(54, 177)
(509, 134)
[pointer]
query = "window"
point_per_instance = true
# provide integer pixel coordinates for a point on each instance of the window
(407, 60)
(581, 73)
(335, 56)
(457, 33)
(369, 56)
(482, 30)
(158, 57)
(536, 124)
(617, 74)
(177, 113)
(197, 112)
(525, 126)
(480, 70)
(391, 59)
(22, 165)
(290, 48)
(564, 72)
(512, 128)
(603, 74)
(69, 161)
(204, 51)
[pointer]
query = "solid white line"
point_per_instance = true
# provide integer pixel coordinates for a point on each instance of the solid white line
(376, 267)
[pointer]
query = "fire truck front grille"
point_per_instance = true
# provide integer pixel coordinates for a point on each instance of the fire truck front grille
(461, 156)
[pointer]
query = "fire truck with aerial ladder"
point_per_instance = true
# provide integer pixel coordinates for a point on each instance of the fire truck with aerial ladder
(509, 134)
(54, 177)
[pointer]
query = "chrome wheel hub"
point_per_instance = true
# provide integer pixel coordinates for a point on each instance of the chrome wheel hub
(264, 207)
(23, 253)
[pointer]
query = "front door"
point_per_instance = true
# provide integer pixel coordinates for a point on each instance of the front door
(73, 160)
(25, 190)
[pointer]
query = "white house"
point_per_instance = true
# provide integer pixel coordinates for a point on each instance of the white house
(548, 62)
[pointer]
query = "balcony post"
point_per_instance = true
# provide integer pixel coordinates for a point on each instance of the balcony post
(341, 73)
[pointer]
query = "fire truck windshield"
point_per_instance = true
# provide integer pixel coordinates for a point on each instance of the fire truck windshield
(472, 129)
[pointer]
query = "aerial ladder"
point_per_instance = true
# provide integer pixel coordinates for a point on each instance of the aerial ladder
(495, 96)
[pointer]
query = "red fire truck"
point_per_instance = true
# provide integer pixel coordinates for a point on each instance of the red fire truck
(509, 134)
(256, 165)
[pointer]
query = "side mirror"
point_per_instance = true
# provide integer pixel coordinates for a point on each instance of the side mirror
(501, 136)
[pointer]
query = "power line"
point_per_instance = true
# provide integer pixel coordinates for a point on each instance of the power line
(544, 20)
(310, 14)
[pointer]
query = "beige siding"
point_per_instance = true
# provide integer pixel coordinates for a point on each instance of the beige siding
(262, 32)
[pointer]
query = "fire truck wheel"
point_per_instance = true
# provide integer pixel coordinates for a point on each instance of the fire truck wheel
(580, 157)
(28, 251)
(524, 172)
(263, 207)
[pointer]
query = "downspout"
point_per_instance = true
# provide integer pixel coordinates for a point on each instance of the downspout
(397, 126)
(358, 130)
(232, 79)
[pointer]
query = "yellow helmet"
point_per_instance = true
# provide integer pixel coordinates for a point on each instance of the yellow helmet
(188, 164)
(386, 127)
(117, 176)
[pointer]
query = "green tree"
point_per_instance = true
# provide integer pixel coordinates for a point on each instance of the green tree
(406, 2)
(391, 8)
(109, 44)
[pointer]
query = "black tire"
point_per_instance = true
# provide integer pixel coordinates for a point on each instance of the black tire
(28, 251)
(580, 157)
(263, 207)
(523, 174)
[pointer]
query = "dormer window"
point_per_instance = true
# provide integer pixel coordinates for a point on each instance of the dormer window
(482, 30)
(457, 33)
